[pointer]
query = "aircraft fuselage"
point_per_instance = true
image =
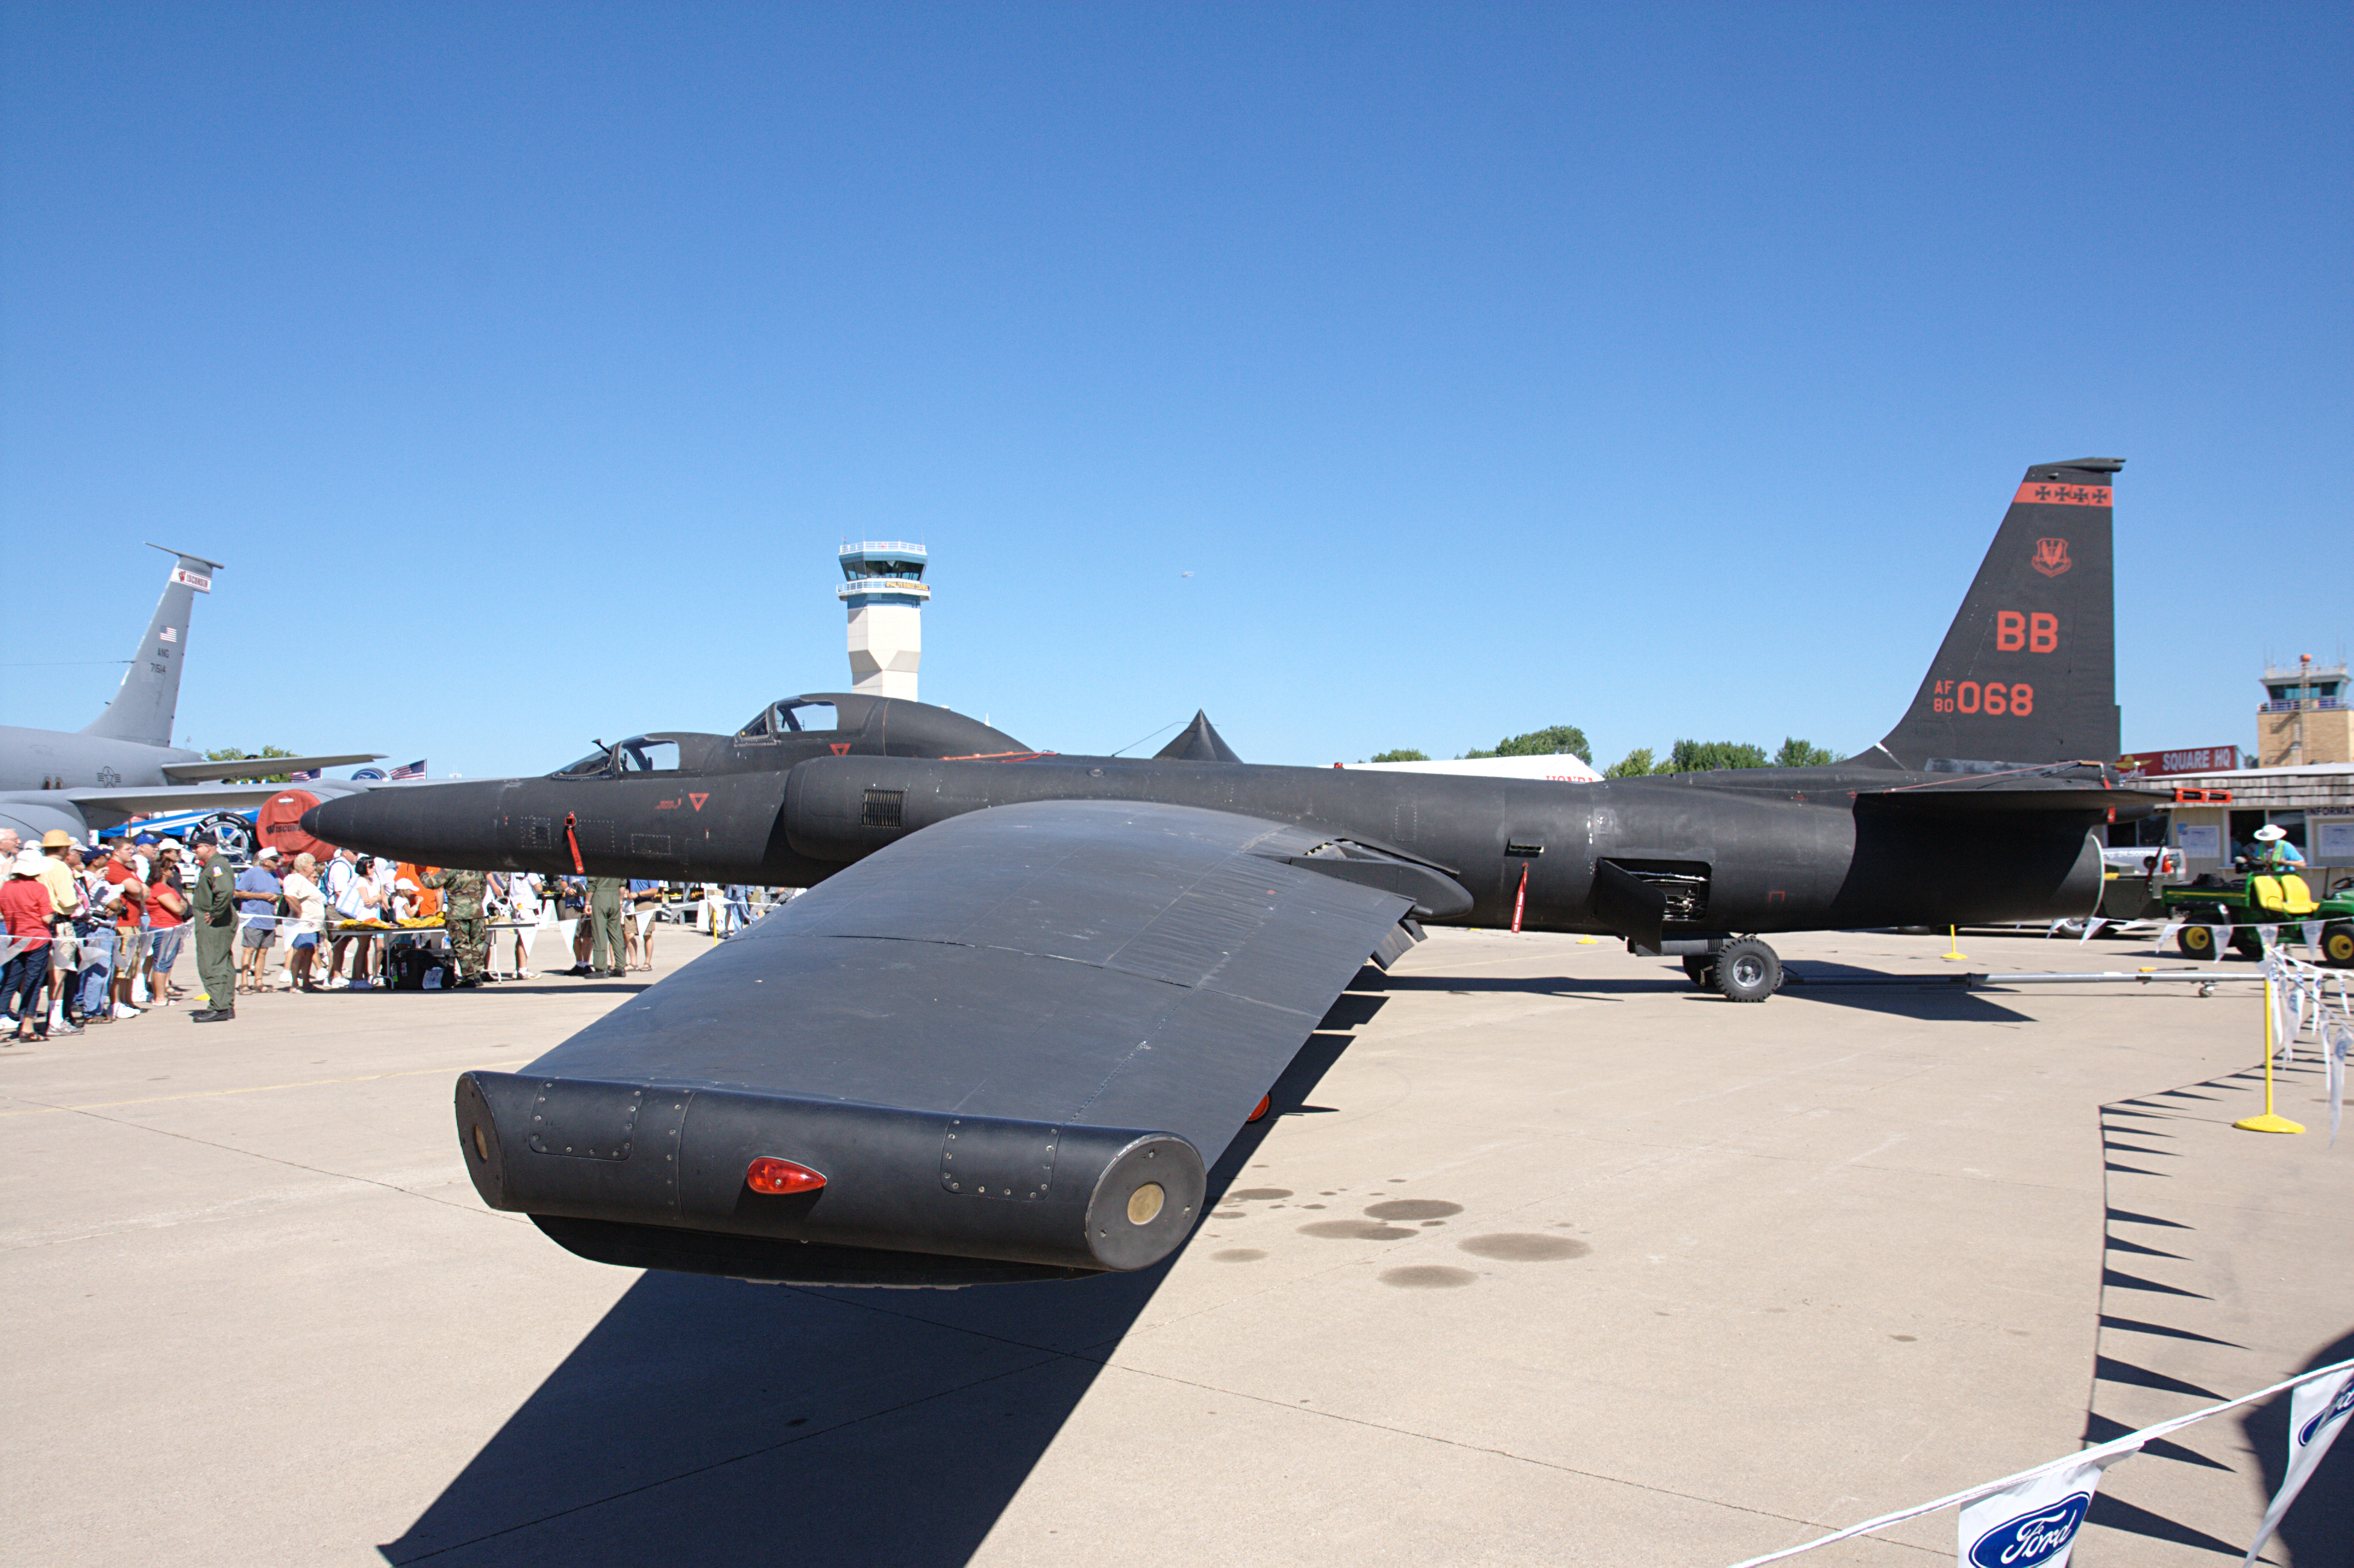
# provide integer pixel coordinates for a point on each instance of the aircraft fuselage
(61, 759)
(1757, 851)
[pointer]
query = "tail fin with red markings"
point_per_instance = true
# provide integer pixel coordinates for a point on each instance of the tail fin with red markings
(2028, 670)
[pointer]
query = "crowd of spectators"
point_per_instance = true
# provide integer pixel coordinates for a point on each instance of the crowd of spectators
(95, 933)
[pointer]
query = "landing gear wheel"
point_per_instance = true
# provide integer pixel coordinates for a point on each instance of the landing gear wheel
(2337, 944)
(1747, 970)
(1700, 969)
(2195, 942)
(231, 832)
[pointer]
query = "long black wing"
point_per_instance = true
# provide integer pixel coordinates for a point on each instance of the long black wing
(989, 1038)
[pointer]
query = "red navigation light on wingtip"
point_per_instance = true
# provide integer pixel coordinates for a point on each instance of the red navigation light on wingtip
(767, 1175)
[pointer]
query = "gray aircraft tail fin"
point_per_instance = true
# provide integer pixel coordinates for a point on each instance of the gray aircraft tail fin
(2027, 672)
(1197, 742)
(142, 710)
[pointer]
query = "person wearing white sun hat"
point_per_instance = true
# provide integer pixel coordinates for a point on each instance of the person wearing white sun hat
(2277, 851)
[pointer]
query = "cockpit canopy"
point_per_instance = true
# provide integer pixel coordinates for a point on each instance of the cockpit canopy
(639, 754)
(792, 716)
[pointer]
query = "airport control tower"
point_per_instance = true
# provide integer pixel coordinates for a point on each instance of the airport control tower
(885, 592)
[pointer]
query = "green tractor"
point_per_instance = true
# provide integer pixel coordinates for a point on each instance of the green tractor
(2252, 895)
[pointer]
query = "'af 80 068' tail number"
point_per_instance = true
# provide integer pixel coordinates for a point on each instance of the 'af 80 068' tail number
(1995, 699)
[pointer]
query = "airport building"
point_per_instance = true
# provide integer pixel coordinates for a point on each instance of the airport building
(2303, 781)
(2304, 718)
(883, 587)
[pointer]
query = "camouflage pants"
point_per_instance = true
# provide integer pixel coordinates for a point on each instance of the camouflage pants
(469, 944)
(605, 937)
(217, 964)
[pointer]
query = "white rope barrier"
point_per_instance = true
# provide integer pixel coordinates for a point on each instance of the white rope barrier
(2104, 1454)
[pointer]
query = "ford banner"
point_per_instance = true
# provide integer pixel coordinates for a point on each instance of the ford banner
(2316, 1414)
(2034, 1523)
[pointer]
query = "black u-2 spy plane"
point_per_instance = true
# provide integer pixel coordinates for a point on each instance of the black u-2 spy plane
(1029, 998)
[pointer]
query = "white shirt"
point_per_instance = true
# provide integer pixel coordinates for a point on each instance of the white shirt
(310, 906)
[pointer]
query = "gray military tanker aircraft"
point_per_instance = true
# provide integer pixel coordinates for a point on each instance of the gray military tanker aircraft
(123, 760)
(1029, 998)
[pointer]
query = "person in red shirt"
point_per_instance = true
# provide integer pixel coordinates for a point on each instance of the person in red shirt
(167, 923)
(130, 923)
(26, 909)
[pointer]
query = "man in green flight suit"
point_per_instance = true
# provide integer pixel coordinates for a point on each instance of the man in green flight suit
(212, 910)
(605, 957)
(462, 912)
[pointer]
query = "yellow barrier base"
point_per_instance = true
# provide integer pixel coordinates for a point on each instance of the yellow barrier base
(2268, 1122)
(1954, 941)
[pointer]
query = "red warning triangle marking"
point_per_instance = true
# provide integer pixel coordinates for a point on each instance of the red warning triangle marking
(698, 799)
(841, 747)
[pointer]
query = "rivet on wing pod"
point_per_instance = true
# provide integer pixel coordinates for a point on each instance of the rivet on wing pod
(769, 1174)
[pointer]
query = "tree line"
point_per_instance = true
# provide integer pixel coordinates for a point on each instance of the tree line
(1683, 756)
(239, 754)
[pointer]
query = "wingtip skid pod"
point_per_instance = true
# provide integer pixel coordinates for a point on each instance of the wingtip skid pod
(652, 1176)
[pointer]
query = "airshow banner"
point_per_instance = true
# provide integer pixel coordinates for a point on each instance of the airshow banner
(2316, 1414)
(2031, 1519)
(2337, 1045)
(2034, 1523)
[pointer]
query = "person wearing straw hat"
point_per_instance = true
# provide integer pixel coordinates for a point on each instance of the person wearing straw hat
(64, 898)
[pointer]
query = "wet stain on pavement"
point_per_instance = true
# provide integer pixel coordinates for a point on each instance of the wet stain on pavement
(1257, 1194)
(1426, 1277)
(1355, 1230)
(1524, 1246)
(1239, 1254)
(1413, 1209)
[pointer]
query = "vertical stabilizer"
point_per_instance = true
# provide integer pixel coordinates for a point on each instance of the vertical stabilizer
(149, 697)
(2029, 669)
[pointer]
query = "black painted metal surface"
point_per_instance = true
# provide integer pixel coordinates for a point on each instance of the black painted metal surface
(991, 1039)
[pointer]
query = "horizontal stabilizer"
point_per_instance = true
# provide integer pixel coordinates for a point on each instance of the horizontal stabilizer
(243, 767)
(2035, 791)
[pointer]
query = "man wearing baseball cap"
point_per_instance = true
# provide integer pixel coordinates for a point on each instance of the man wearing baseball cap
(257, 888)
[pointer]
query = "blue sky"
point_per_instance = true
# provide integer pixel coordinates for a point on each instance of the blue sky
(1659, 369)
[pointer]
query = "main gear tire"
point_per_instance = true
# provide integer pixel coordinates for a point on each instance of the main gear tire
(1747, 970)
(231, 832)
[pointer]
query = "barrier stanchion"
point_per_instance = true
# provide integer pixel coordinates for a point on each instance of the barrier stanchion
(1953, 953)
(2268, 1122)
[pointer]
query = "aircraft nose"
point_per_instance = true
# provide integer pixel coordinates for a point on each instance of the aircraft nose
(432, 824)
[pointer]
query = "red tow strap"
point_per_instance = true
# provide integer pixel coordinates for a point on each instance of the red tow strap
(571, 839)
(1520, 899)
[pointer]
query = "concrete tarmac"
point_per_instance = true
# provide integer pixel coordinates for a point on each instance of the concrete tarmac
(1549, 1258)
